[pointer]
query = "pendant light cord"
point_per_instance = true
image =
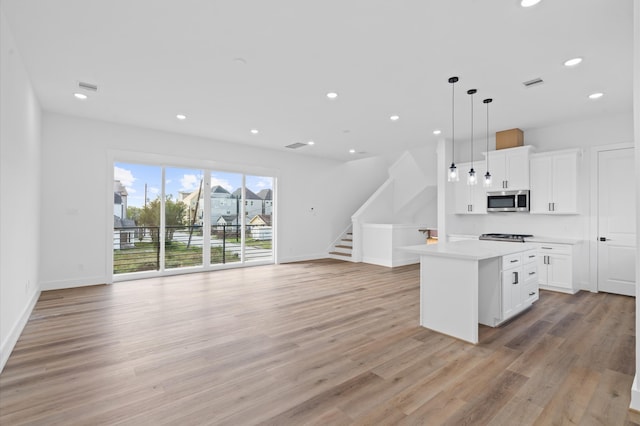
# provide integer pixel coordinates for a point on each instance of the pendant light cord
(471, 92)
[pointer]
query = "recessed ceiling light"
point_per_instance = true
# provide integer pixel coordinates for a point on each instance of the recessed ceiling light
(352, 151)
(181, 117)
(332, 95)
(394, 118)
(529, 3)
(311, 143)
(572, 62)
(437, 132)
(80, 96)
(596, 95)
(254, 131)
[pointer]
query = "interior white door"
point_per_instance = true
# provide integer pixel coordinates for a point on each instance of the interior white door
(616, 222)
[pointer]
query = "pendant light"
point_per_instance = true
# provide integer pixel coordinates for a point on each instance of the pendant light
(487, 176)
(453, 170)
(471, 176)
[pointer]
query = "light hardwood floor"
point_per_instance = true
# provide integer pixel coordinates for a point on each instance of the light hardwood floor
(314, 343)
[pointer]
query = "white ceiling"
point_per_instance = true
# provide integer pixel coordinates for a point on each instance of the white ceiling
(232, 66)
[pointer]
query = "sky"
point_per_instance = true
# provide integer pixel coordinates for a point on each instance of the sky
(135, 176)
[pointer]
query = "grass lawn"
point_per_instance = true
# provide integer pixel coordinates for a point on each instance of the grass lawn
(144, 257)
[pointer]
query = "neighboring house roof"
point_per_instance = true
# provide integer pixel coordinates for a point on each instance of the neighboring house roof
(218, 190)
(123, 223)
(225, 219)
(266, 194)
(261, 219)
(249, 194)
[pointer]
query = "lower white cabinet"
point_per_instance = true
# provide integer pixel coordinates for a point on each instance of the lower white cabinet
(508, 286)
(556, 265)
(519, 282)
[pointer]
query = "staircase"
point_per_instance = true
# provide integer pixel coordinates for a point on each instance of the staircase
(343, 247)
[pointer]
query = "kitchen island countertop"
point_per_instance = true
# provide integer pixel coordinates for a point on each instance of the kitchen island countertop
(469, 249)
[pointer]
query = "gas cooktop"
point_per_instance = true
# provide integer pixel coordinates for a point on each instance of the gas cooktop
(518, 238)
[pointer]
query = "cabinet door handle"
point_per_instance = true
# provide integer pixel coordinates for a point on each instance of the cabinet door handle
(546, 248)
(549, 207)
(532, 273)
(515, 278)
(553, 207)
(531, 256)
(531, 293)
(514, 260)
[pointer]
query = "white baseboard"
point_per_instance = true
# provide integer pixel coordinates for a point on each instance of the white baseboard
(290, 259)
(635, 395)
(10, 342)
(80, 282)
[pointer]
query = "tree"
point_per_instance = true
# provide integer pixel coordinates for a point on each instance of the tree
(174, 216)
(134, 214)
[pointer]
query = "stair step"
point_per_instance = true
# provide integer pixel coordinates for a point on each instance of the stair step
(344, 246)
(337, 253)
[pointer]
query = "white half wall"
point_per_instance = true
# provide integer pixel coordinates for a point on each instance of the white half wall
(315, 197)
(20, 148)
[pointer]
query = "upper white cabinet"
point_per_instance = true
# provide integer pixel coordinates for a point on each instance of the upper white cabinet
(470, 199)
(554, 182)
(509, 168)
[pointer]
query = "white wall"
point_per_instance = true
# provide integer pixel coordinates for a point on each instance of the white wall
(635, 390)
(315, 197)
(19, 194)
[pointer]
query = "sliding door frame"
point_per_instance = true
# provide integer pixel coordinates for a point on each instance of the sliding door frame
(207, 167)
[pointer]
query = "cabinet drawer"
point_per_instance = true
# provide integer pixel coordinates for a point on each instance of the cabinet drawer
(530, 256)
(555, 249)
(531, 292)
(531, 272)
(511, 261)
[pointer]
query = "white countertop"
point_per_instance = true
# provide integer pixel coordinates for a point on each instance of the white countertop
(552, 240)
(469, 249)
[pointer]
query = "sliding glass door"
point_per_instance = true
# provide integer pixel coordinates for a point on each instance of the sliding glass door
(170, 219)
(183, 217)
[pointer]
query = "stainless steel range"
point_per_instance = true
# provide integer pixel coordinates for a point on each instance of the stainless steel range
(516, 238)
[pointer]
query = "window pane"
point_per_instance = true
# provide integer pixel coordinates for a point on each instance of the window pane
(259, 230)
(183, 212)
(226, 215)
(136, 218)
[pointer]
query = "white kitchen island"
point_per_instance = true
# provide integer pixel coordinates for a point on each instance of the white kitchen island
(461, 284)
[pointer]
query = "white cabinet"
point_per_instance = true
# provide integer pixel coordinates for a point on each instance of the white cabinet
(519, 282)
(511, 285)
(470, 199)
(509, 168)
(554, 183)
(556, 265)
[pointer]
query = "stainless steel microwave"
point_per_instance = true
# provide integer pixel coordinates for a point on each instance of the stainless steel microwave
(508, 201)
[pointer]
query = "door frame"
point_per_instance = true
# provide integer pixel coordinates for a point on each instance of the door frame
(162, 160)
(593, 217)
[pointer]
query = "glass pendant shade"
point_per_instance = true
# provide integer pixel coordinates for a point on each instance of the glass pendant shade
(471, 177)
(487, 180)
(453, 173)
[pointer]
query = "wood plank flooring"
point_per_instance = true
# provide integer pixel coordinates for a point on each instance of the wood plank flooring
(314, 343)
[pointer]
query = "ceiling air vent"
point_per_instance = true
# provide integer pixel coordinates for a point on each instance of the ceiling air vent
(296, 145)
(534, 82)
(87, 86)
